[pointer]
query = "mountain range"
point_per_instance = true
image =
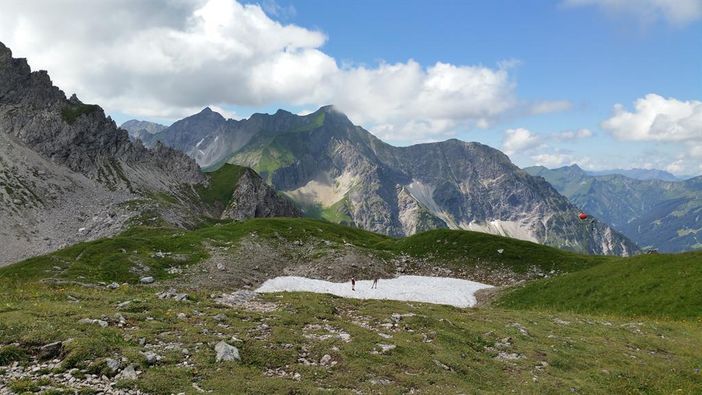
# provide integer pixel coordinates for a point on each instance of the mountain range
(338, 171)
(69, 174)
(638, 174)
(141, 129)
(664, 215)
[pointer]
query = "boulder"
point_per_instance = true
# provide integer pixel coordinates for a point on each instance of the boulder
(226, 352)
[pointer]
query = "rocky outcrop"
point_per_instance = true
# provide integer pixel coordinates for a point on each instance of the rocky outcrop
(80, 136)
(253, 198)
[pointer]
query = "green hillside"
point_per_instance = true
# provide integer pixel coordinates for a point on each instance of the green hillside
(221, 184)
(390, 347)
(661, 286)
(113, 259)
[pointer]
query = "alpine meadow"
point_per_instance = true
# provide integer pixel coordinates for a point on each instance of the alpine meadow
(305, 197)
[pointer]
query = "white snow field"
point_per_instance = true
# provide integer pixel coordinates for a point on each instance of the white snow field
(438, 290)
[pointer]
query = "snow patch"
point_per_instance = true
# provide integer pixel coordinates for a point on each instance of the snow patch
(437, 290)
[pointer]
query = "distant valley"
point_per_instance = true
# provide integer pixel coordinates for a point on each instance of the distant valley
(657, 214)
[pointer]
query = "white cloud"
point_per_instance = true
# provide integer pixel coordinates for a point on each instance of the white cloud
(520, 139)
(677, 12)
(553, 160)
(170, 59)
(656, 118)
(676, 167)
(573, 134)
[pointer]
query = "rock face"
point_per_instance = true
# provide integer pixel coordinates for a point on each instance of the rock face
(254, 198)
(342, 172)
(665, 215)
(69, 174)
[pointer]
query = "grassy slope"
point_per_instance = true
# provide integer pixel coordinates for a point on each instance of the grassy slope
(439, 350)
(110, 259)
(665, 285)
(221, 185)
(269, 152)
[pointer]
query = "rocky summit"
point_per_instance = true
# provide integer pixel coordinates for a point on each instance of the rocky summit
(68, 173)
(338, 171)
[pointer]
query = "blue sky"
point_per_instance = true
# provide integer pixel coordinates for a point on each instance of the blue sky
(592, 58)
(538, 80)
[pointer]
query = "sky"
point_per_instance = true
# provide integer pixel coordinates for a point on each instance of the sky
(599, 83)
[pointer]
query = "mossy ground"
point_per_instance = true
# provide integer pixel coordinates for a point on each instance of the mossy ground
(114, 259)
(656, 285)
(439, 349)
(72, 112)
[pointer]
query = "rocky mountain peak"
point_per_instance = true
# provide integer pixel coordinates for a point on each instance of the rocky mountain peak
(71, 133)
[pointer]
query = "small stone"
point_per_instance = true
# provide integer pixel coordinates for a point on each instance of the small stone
(112, 364)
(180, 297)
(92, 321)
(51, 350)
(151, 357)
(226, 352)
(113, 285)
(220, 317)
(385, 348)
(220, 266)
(146, 280)
(128, 373)
(181, 316)
(325, 360)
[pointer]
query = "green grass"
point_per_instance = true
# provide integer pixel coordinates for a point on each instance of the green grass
(483, 248)
(10, 354)
(222, 182)
(111, 259)
(439, 349)
(116, 258)
(273, 157)
(658, 285)
(72, 112)
(317, 122)
(272, 150)
(337, 213)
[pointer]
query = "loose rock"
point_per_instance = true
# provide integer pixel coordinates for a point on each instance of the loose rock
(226, 352)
